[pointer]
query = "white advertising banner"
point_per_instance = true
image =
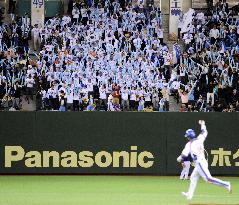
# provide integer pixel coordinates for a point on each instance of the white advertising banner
(37, 12)
(175, 11)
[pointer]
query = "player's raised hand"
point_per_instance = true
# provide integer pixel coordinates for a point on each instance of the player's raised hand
(201, 122)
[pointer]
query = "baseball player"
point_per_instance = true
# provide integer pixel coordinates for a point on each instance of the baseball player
(186, 161)
(195, 147)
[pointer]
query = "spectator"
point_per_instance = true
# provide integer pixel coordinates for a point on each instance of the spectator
(29, 87)
(141, 104)
(62, 104)
(36, 36)
(125, 99)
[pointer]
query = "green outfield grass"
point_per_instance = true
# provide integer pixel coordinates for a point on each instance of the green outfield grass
(109, 190)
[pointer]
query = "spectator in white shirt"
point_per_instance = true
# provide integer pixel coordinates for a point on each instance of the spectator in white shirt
(36, 37)
(214, 34)
(52, 97)
(103, 97)
(125, 99)
(76, 15)
(69, 98)
(29, 87)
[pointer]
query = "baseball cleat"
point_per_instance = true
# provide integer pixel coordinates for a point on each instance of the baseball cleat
(187, 195)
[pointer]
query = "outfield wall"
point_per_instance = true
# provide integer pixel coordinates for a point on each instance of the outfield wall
(112, 142)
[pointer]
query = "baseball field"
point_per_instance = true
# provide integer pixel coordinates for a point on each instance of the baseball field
(110, 190)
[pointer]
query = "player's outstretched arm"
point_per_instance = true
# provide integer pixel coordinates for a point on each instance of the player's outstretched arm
(203, 128)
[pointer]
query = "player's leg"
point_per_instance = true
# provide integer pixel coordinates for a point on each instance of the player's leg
(206, 175)
(187, 167)
(193, 183)
(183, 171)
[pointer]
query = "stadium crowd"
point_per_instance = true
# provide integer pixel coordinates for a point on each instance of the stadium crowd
(14, 49)
(209, 66)
(112, 57)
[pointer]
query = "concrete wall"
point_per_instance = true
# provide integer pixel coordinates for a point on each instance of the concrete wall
(187, 4)
(199, 4)
(165, 6)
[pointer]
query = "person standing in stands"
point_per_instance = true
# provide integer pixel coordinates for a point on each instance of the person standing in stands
(36, 37)
(29, 87)
(214, 34)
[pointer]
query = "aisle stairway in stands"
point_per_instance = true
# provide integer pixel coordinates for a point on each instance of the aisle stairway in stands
(165, 22)
(173, 106)
(25, 106)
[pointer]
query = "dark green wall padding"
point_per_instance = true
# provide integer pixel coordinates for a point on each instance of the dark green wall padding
(52, 8)
(162, 134)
